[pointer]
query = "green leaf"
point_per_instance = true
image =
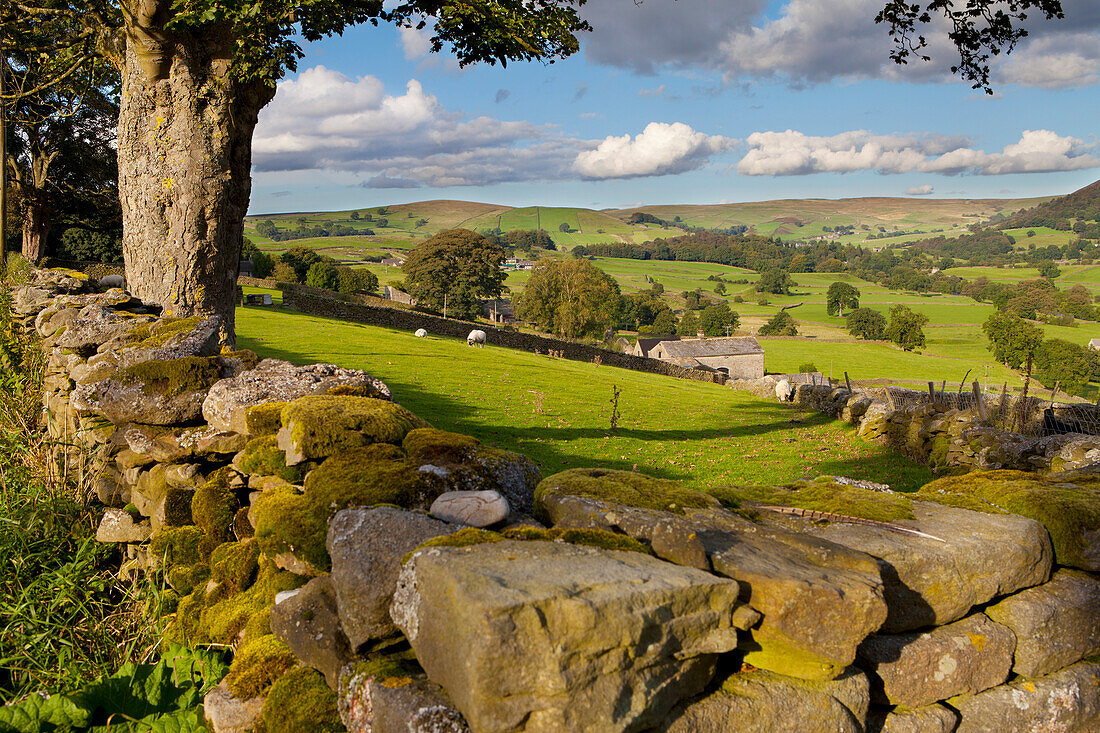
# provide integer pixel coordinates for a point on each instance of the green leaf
(36, 714)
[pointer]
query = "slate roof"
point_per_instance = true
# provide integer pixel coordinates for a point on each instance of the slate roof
(646, 344)
(694, 348)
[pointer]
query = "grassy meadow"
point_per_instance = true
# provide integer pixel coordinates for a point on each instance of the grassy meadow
(558, 411)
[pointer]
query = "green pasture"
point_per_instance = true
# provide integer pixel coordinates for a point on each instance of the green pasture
(558, 411)
(1044, 237)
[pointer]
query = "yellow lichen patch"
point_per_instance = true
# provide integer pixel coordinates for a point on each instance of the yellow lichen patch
(301, 702)
(172, 377)
(824, 495)
(158, 333)
(977, 641)
(1067, 509)
(320, 425)
(623, 487)
(257, 665)
(265, 419)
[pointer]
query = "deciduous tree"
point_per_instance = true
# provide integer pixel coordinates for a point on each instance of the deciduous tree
(906, 327)
(718, 320)
(452, 270)
(1011, 338)
(866, 323)
(569, 298)
(781, 324)
(841, 295)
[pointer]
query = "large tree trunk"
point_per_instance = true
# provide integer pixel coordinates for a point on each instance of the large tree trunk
(184, 154)
(36, 226)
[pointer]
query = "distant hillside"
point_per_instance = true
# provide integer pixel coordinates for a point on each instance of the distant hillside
(1082, 205)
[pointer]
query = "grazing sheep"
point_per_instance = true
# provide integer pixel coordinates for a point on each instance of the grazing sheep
(476, 338)
(112, 281)
(421, 333)
(784, 391)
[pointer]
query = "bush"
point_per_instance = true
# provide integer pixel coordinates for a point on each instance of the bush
(322, 275)
(262, 264)
(866, 323)
(781, 324)
(807, 367)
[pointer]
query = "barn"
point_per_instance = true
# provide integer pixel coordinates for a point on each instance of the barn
(739, 357)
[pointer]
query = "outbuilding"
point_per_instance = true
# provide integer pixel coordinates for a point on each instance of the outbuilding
(739, 357)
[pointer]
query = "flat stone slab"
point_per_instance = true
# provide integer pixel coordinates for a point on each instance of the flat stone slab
(1064, 702)
(932, 583)
(472, 508)
(118, 526)
(928, 719)
(275, 380)
(308, 624)
(546, 636)
(913, 670)
(819, 600)
(763, 702)
(366, 547)
(1056, 624)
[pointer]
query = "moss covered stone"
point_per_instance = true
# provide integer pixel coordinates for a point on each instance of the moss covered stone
(214, 506)
(1070, 511)
(301, 702)
(287, 521)
(172, 377)
(157, 334)
(257, 665)
(429, 445)
(177, 545)
(623, 487)
(376, 474)
(177, 507)
(321, 426)
(263, 457)
(185, 578)
(225, 613)
(824, 495)
(265, 419)
(235, 564)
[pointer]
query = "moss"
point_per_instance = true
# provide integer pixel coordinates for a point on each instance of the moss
(177, 545)
(825, 495)
(157, 334)
(356, 390)
(301, 702)
(257, 626)
(172, 377)
(777, 653)
(133, 511)
(257, 665)
(599, 538)
(185, 578)
(185, 627)
(429, 445)
(287, 521)
(321, 426)
(213, 507)
(623, 487)
(235, 564)
(226, 613)
(1067, 510)
(248, 358)
(242, 525)
(376, 474)
(265, 419)
(177, 507)
(263, 457)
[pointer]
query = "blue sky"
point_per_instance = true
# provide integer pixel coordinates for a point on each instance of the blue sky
(694, 101)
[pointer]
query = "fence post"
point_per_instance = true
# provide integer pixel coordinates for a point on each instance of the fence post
(932, 392)
(1054, 392)
(848, 384)
(979, 402)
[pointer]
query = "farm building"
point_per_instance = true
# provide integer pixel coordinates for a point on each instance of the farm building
(645, 344)
(498, 310)
(740, 357)
(1094, 344)
(398, 296)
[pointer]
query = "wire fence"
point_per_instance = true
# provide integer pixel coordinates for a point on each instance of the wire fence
(1003, 408)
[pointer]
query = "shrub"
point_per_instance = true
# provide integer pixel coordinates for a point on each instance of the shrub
(781, 324)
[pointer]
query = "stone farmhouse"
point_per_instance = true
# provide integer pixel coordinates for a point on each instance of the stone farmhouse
(646, 344)
(739, 357)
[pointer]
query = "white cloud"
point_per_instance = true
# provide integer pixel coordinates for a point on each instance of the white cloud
(1070, 60)
(658, 150)
(792, 153)
(925, 190)
(415, 44)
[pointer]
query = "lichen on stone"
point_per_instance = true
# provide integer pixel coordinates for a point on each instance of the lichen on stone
(470, 536)
(257, 665)
(318, 426)
(287, 521)
(157, 334)
(1067, 508)
(235, 564)
(301, 702)
(824, 495)
(213, 507)
(624, 487)
(264, 419)
(177, 545)
(172, 377)
(263, 457)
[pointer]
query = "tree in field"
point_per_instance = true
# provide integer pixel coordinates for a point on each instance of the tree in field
(906, 328)
(263, 264)
(1061, 361)
(350, 280)
(664, 323)
(196, 73)
(322, 275)
(1049, 270)
(781, 324)
(301, 259)
(840, 296)
(569, 298)
(1011, 338)
(866, 323)
(718, 320)
(689, 324)
(451, 270)
(774, 281)
(640, 310)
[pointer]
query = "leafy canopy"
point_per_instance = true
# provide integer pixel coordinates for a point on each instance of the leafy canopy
(840, 297)
(569, 298)
(453, 269)
(906, 328)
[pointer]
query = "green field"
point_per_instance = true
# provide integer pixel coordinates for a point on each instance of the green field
(558, 412)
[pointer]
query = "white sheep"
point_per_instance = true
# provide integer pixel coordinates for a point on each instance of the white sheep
(421, 333)
(784, 391)
(476, 338)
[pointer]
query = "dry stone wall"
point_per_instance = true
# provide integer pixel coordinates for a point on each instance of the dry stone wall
(290, 519)
(348, 308)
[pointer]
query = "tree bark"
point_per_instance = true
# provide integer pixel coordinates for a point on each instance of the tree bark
(184, 155)
(36, 225)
